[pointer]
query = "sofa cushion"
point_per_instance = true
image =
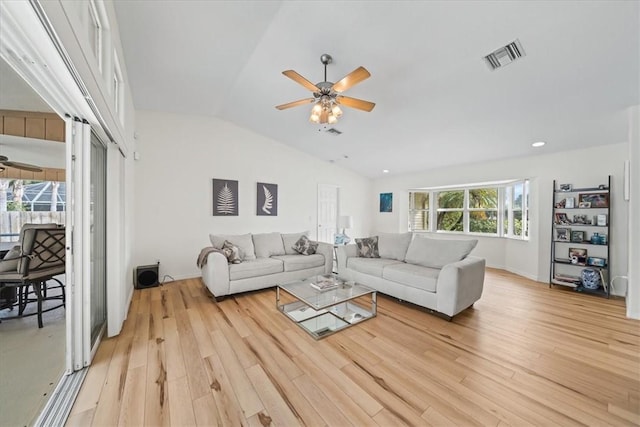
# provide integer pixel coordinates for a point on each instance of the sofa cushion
(268, 244)
(244, 242)
(231, 252)
(412, 275)
(11, 264)
(304, 246)
(368, 247)
(256, 267)
(290, 239)
(393, 245)
(372, 266)
(436, 253)
(297, 262)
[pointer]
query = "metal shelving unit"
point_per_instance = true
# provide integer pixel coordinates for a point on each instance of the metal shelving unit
(568, 223)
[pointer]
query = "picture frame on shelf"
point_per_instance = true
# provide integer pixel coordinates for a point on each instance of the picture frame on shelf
(577, 236)
(578, 256)
(584, 205)
(600, 220)
(597, 200)
(562, 218)
(566, 187)
(596, 261)
(563, 234)
(561, 204)
(570, 203)
(581, 219)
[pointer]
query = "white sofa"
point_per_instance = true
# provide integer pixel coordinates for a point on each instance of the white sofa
(437, 274)
(267, 259)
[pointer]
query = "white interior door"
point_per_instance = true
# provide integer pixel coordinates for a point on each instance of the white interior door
(327, 212)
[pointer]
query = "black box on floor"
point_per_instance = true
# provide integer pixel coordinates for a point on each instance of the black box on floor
(146, 276)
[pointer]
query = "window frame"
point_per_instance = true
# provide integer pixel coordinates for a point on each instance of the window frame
(96, 24)
(504, 209)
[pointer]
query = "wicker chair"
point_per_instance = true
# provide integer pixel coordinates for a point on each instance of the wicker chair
(32, 265)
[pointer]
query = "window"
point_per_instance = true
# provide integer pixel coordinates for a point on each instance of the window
(483, 210)
(95, 33)
(118, 88)
(495, 209)
(450, 211)
(418, 211)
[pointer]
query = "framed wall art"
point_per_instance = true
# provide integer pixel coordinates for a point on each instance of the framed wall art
(386, 202)
(225, 197)
(267, 199)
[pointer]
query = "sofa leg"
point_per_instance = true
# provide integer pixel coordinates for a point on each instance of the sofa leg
(220, 299)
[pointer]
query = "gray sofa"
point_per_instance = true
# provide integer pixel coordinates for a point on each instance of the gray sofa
(267, 259)
(437, 274)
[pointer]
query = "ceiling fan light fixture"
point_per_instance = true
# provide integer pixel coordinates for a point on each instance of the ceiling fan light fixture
(331, 119)
(336, 111)
(314, 118)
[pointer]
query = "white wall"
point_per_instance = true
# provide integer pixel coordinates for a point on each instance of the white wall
(179, 157)
(582, 168)
(633, 297)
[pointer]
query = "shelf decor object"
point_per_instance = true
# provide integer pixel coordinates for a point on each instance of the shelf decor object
(580, 237)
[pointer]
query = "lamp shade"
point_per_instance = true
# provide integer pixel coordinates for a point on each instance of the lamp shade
(345, 221)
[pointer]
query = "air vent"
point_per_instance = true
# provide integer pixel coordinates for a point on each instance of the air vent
(505, 55)
(333, 131)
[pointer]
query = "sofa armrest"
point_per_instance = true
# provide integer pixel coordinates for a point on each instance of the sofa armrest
(460, 285)
(343, 252)
(215, 274)
(326, 249)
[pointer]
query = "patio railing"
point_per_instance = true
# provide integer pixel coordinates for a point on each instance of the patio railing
(11, 222)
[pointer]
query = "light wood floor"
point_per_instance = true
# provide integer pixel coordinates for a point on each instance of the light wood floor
(523, 355)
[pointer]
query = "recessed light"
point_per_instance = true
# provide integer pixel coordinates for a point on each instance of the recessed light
(538, 144)
(385, 170)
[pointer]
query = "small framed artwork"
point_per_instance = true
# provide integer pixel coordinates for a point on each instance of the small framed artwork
(386, 202)
(581, 219)
(566, 187)
(570, 202)
(578, 256)
(596, 200)
(577, 236)
(563, 234)
(225, 197)
(562, 218)
(266, 199)
(584, 205)
(596, 261)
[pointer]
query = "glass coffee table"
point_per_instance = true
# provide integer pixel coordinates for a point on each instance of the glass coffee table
(322, 313)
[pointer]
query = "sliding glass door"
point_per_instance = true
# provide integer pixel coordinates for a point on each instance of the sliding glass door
(98, 238)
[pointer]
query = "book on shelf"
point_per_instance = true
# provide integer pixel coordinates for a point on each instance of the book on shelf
(567, 278)
(325, 283)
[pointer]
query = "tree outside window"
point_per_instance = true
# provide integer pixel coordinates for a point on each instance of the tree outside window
(450, 211)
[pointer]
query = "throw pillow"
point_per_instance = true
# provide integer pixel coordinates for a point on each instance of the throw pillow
(232, 252)
(304, 246)
(368, 247)
(268, 244)
(290, 239)
(244, 243)
(8, 264)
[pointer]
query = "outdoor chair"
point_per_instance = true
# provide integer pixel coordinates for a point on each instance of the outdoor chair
(32, 265)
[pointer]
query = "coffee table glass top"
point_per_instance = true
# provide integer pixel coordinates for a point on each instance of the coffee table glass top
(324, 312)
(303, 290)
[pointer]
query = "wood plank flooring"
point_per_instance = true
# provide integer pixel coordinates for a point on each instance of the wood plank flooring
(524, 355)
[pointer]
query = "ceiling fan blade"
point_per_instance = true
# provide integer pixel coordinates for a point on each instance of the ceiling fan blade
(301, 80)
(295, 103)
(23, 166)
(359, 104)
(351, 79)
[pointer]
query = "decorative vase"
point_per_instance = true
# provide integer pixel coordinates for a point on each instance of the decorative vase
(590, 278)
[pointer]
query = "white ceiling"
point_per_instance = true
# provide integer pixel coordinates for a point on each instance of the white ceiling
(438, 103)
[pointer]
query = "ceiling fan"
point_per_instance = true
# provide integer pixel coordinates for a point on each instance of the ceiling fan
(4, 161)
(327, 95)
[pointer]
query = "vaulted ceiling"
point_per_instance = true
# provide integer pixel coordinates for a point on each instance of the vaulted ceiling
(438, 103)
